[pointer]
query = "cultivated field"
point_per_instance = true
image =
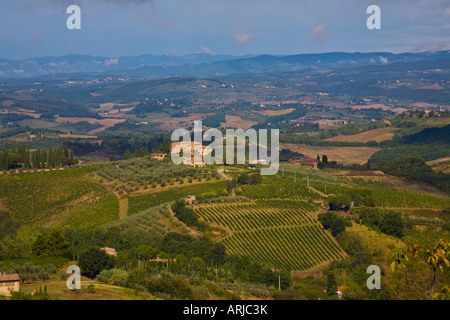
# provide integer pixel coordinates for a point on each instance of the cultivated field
(57, 199)
(272, 113)
(366, 136)
(237, 122)
(278, 233)
(347, 155)
(105, 123)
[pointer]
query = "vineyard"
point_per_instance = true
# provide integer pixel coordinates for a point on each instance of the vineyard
(392, 198)
(282, 234)
(143, 202)
(150, 220)
(58, 198)
(279, 189)
(400, 199)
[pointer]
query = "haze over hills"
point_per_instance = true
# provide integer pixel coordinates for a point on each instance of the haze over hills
(84, 63)
(201, 64)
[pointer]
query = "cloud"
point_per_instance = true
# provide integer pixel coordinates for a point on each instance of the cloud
(447, 11)
(384, 60)
(438, 46)
(207, 51)
(242, 38)
(429, 46)
(112, 61)
(319, 33)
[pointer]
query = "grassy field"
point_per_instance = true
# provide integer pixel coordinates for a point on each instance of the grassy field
(57, 290)
(347, 155)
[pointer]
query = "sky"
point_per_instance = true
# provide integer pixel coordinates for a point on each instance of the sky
(115, 28)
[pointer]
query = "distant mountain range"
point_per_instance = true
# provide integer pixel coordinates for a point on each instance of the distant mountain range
(199, 64)
(81, 63)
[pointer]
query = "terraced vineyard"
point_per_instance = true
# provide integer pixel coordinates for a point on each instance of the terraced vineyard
(279, 233)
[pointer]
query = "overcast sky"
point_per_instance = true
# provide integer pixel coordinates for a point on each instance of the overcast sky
(112, 28)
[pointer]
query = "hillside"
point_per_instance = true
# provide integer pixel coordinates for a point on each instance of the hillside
(430, 144)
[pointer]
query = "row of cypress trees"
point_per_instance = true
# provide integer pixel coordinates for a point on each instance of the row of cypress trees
(39, 159)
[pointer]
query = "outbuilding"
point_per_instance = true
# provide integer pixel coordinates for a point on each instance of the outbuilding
(8, 283)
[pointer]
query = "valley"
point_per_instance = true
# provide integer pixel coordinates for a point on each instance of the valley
(85, 171)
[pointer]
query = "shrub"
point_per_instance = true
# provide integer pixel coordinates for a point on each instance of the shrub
(104, 276)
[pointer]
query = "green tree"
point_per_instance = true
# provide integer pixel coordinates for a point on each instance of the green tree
(199, 266)
(254, 178)
(218, 254)
(92, 261)
(333, 221)
(392, 223)
(126, 155)
(53, 244)
(331, 282)
(146, 252)
(337, 227)
(243, 179)
(339, 202)
(231, 184)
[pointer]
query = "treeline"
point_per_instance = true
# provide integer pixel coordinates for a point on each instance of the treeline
(138, 153)
(115, 144)
(39, 159)
(353, 196)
